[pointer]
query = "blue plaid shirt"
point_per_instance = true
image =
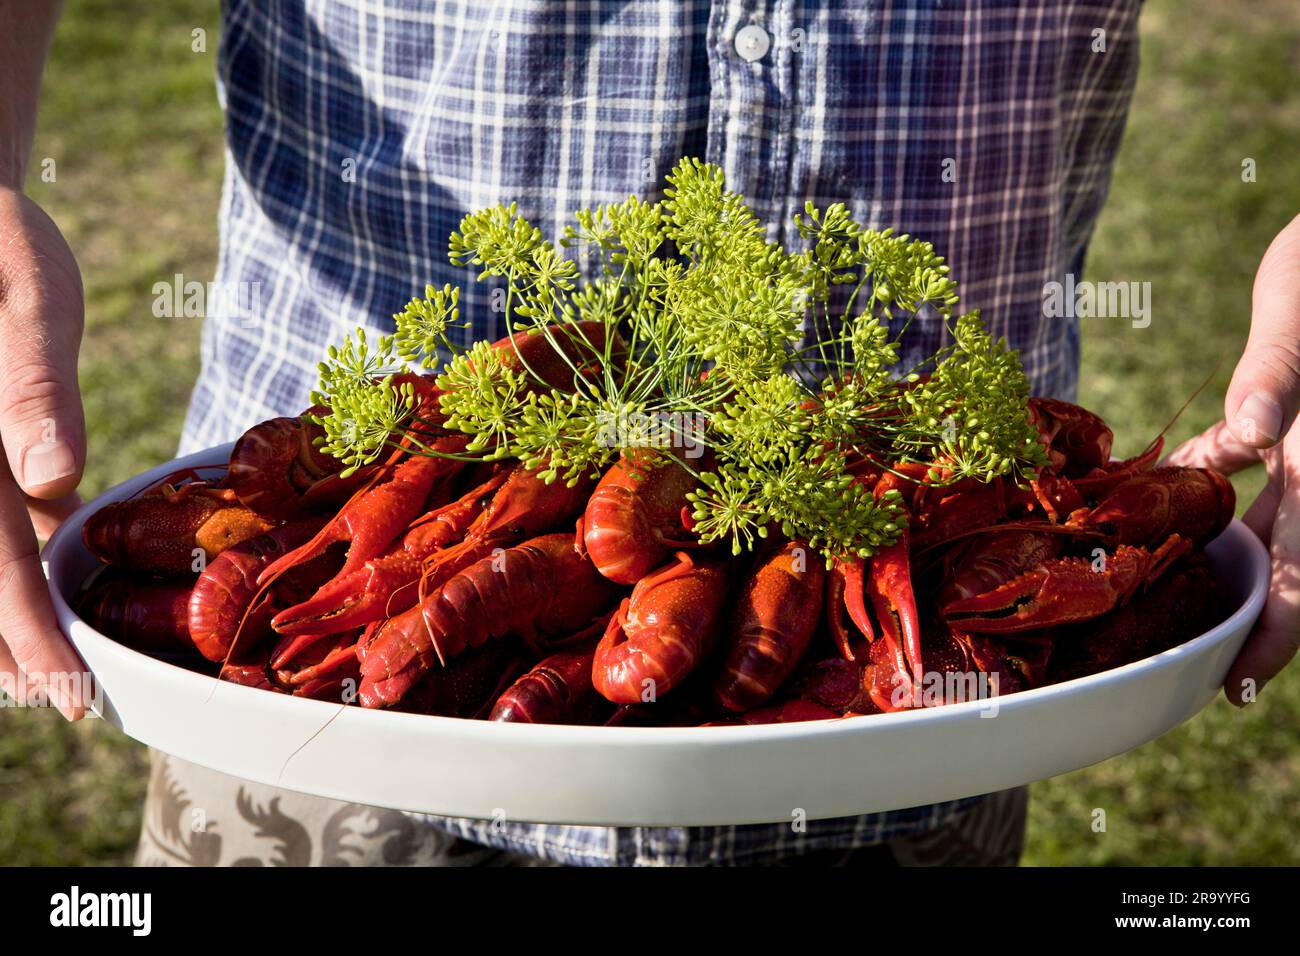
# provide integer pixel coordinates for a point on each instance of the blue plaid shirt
(361, 131)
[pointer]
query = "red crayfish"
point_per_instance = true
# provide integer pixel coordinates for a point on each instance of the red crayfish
(427, 584)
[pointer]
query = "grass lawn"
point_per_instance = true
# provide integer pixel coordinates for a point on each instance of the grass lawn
(1215, 89)
(130, 117)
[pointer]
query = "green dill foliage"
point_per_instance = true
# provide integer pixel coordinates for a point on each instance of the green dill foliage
(690, 327)
(365, 408)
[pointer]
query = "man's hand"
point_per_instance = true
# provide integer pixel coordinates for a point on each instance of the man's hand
(43, 433)
(1259, 413)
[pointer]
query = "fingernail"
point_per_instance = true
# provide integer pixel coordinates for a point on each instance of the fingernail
(62, 697)
(1259, 419)
(47, 461)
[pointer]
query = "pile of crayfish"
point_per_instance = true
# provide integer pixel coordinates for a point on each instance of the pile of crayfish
(444, 585)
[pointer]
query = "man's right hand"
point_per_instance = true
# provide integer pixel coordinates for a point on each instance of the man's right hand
(43, 431)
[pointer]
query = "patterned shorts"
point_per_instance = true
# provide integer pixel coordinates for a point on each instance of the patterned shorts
(199, 817)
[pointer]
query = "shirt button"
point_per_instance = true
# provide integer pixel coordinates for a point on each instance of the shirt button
(752, 42)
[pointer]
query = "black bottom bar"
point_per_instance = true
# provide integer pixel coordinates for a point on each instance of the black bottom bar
(657, 908)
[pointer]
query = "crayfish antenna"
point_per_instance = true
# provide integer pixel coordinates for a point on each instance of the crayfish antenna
(1190, 398)
(225, 661)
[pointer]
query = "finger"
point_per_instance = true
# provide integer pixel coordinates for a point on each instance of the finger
(9, 669)
(1262, 400)
(1275, 639)
(1216, 448)
(1261, 514)
(48, 515)
(27, 622)
(1276, 636)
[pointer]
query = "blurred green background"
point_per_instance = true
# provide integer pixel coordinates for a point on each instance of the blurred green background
(129, 113)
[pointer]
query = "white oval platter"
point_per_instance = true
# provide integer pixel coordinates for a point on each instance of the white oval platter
(645, 776)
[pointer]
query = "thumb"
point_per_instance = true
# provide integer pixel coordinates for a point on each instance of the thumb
(41, 320)
(1265, 392)
(42, 423)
